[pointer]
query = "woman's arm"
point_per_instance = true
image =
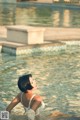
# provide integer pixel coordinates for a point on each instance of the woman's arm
(35, 105)
(13, 103)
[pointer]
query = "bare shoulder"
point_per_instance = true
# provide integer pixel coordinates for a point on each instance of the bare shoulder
(38, 98)
(18, 96)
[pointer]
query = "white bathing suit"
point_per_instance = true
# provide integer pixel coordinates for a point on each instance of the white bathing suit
(28, 108)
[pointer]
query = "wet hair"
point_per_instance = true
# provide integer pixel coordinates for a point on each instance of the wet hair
(24, 83)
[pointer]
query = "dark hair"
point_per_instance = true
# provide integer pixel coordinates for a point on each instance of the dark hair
(24, 83)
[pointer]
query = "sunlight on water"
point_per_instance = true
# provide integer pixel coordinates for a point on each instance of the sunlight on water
(57, 76)
(39, 15)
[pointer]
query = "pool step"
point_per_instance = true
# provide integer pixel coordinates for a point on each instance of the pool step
(21, 49)
(10, 47)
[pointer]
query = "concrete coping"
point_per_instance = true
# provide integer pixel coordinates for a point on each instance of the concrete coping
(25, 28)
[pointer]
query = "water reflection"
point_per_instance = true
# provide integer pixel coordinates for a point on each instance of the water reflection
(66, 18)
(39, 16)
(56, 19)
(25, 16)
(7, 14)
(57, 76)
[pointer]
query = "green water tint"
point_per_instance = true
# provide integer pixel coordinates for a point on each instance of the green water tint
(39, 15)
(57, 75)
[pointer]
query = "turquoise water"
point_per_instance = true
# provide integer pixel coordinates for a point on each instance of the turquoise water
(57, 76)
(39, 15)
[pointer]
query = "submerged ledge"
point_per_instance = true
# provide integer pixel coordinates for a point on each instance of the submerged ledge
(45, 49)
(31, 49)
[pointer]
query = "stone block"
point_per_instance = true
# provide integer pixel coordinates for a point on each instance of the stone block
(25, 34)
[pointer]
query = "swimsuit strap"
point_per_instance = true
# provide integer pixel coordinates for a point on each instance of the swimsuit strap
(30, 101)
(21, 97)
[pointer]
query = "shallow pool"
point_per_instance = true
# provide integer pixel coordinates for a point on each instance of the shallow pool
(40, 15)
(57, 75)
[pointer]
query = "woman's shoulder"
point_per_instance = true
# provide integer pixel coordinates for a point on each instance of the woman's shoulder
(19, 95)
(38, 98)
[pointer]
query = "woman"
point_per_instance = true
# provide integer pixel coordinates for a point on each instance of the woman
(32, 103)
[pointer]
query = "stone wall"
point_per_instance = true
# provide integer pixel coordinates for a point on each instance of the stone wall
(62, 34)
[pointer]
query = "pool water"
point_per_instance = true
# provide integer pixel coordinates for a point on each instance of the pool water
(57, 75)
(39, 15)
